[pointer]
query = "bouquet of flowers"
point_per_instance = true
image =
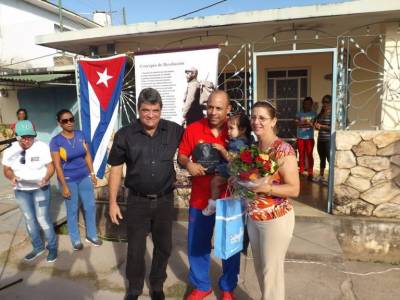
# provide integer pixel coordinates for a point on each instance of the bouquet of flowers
(252, 167)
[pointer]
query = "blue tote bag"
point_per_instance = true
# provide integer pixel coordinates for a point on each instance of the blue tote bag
(229, 227)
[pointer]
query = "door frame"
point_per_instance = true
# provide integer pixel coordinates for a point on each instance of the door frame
(333, 93)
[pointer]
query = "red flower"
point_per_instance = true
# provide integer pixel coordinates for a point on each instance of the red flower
(259, 159)
(244, 176)
(267, 166)
(245, 156)
(249, 175)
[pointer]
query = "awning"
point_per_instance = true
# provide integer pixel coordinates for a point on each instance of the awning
(35, 79)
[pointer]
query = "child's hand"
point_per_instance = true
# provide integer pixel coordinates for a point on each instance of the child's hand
(232, 180)
(219, 147)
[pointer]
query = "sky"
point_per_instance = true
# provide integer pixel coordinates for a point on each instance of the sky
(153, 10)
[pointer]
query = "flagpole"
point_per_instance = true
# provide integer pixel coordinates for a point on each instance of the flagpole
(78, 95)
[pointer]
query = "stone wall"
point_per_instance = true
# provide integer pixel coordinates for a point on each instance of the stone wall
(367, 174)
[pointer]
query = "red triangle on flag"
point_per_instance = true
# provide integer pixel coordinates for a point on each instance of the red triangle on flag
(102, 75)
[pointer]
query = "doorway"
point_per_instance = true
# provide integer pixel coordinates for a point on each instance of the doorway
(287, 87)
(286, 78)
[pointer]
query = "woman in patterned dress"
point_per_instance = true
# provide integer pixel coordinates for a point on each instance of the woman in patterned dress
(270, 214)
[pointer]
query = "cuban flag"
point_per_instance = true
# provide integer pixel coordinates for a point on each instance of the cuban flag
(100, 85)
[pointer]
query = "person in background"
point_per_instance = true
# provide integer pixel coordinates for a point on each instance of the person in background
(28, 165)
(212, 129)
(75, 174)
(323, 125)
(22, 114)
(148, 147)
(305, 136)
(270, 221)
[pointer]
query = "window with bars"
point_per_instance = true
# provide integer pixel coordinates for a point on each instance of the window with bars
(287, 88)
(234, 84)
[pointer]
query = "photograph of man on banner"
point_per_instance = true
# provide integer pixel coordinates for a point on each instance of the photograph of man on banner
(196, 96)
(184, 78)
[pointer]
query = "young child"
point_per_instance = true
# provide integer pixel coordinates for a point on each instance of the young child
(239, 132)
(305, 136)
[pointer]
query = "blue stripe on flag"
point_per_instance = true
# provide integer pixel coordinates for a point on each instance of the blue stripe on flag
(102, 169)
(85, 109)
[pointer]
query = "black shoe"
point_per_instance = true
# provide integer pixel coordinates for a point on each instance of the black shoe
(52, 256)
(157, 295)
(131, 297)
(77, 246)
(95, 242)
(33, 254)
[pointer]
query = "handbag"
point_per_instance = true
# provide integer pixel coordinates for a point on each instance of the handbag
(229, 227)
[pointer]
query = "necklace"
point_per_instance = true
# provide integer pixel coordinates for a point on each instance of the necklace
(72, 144)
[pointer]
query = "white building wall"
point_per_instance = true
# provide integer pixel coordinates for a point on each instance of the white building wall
(20, 22)
(391, 82)
(8, 107)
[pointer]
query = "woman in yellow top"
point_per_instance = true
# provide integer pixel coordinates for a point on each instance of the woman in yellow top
(270, 214)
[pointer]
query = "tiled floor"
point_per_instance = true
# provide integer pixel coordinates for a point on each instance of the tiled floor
(313, 194)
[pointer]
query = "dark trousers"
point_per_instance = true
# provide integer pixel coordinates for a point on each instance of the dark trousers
(323, 148)
(146, 216)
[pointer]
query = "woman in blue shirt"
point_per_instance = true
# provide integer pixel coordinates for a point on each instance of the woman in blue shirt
(305, 136)
(75, 174)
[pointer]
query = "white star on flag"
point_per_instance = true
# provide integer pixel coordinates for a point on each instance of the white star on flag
(103, 78)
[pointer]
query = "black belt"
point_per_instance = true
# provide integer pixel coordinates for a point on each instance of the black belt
(152, 196)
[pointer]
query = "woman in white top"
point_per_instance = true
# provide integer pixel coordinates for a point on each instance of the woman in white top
(29, 167)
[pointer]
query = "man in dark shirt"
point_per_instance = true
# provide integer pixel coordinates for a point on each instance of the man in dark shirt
(147, 146)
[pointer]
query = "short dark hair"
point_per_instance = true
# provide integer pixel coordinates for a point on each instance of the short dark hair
(149, 95)
(243, 122)
(327, 98)
(61, 112)
(308, 99)
(24, 111)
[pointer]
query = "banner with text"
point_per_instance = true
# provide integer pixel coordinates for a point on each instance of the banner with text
(184, 80)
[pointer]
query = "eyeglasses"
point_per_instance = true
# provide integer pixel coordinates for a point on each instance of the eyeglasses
(22, 160)
(66, 121)
(260, 118)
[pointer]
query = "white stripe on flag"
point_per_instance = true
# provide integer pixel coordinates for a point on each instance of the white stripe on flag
(94, 107)
(101, 151)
